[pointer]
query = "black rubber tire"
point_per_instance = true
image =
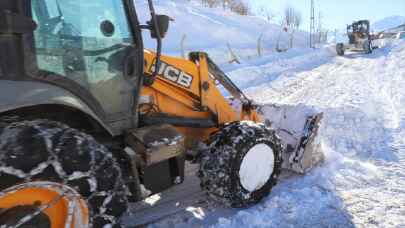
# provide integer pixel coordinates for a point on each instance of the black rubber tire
(221, 160)
(14, 215)
(43, 150)
(340, 49)
(367, 47)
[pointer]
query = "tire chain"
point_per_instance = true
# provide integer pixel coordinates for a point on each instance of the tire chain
(55, 162)
(218, 157)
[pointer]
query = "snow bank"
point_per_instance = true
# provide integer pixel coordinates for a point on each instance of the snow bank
(258, 74)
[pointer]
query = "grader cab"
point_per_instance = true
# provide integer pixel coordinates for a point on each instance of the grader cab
(360, 39)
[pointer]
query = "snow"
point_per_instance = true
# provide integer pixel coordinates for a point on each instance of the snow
(388, 23)
(257, 167)
(362, 179)
(211, 30)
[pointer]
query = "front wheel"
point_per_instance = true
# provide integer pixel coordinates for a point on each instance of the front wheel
(367, 46)
(241, 164)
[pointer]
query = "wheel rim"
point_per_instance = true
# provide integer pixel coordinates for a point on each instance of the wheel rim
(257, 167)
(61, 204)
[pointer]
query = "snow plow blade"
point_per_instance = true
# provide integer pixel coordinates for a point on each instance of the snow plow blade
(297, 127)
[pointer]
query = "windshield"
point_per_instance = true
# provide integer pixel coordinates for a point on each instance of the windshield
(82, 17)
(85, 41)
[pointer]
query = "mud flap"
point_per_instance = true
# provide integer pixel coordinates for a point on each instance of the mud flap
(297, 127)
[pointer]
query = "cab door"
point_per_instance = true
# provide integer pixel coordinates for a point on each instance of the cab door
(88, 43)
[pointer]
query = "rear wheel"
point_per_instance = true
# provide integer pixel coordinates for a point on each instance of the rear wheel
(241, 164)
(43, 151)
(340, 49)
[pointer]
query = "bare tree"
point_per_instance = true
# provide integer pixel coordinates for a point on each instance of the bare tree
(225, 3)
(237, 6)
(297, 24)
(210, 3)
(267, 13)
(282, 24)
(292, 21)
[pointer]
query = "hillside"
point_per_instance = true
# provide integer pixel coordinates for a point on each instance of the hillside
(210, 30)
(388, 23)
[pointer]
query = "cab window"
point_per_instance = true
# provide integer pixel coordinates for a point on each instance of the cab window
(87, 42)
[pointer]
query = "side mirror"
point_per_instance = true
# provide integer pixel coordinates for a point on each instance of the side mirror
(163, 26)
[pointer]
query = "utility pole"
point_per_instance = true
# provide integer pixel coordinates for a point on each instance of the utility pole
(320, 27)
(336, 32)
(312, 26)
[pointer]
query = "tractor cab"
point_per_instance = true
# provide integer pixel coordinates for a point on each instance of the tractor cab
(90, 50)
(84, 47)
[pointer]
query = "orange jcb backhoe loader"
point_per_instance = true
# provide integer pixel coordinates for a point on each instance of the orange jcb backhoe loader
(91, 121)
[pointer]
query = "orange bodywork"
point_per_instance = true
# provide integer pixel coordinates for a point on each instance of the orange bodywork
(173, 93)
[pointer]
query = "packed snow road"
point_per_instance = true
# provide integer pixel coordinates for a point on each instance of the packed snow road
(362, 181)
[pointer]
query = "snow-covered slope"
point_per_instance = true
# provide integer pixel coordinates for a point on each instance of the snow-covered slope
(388, 23)
(211, 30)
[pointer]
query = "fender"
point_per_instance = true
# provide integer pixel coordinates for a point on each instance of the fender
(21, 94)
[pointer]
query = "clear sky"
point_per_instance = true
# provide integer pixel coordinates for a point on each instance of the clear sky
(335, 13)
